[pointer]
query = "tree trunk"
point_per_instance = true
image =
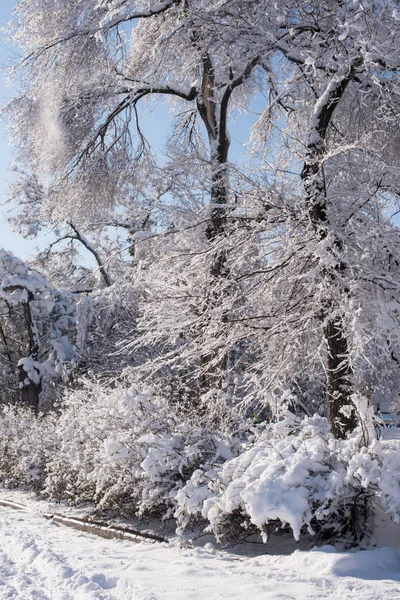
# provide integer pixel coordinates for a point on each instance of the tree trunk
(215, 119)
(338, 369)
(30, 390)
(213, 367)
(341, 411)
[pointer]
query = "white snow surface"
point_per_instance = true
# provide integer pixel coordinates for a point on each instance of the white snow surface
(40, 559)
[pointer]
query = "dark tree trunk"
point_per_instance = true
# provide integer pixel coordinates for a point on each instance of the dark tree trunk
(30, 390)
(338, 369)
(213, 368)
(30, 387)
(341, 411)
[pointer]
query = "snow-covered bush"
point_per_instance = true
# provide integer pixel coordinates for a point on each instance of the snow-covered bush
(116, 447)
(297, 474)
(121, 447)
(26, 442)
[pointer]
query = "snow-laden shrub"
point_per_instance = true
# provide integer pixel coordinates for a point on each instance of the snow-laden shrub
(26, 442)
(128, 449)
(297, 474)
(116, 447)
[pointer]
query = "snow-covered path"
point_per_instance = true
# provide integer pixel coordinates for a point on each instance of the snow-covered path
(43, 560)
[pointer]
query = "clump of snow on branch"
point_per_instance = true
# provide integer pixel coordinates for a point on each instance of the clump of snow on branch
(297, 474)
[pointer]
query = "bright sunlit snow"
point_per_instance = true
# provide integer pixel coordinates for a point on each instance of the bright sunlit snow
(46, 561)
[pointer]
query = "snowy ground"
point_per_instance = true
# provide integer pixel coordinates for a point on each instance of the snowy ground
(42, 560)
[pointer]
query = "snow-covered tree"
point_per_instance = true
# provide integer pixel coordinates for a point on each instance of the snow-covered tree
(308, 300)
(346, 61)
(37, 333)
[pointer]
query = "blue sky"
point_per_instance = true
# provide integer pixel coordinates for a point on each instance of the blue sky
(8, 240)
